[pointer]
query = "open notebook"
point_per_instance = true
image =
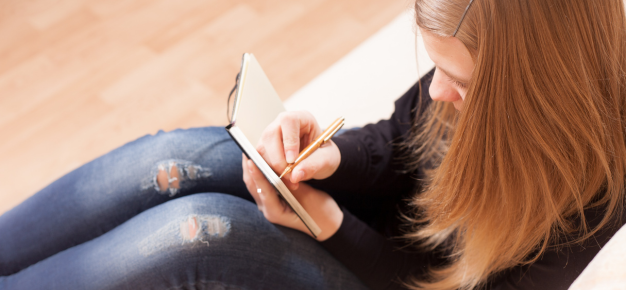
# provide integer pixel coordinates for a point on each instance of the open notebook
(255, 106)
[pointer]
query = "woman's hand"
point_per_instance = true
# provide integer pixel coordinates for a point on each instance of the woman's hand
(282, 141)
(322, 208)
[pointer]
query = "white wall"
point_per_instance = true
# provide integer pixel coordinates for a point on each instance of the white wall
(363, 85)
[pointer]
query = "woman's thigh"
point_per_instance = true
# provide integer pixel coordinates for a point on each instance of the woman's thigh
(203, 241)
(111, 189)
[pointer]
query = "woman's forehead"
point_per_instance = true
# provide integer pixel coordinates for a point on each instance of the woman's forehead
(449, 54)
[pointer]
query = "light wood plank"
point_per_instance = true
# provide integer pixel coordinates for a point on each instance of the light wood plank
(79, 78)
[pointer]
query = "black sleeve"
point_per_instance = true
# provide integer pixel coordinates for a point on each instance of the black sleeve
(381, 264)
(370, 158)
(374, 259)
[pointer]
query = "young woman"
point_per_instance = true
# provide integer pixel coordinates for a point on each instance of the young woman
(503, 168)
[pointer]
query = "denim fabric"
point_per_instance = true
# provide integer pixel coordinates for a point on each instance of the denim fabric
(109, 225)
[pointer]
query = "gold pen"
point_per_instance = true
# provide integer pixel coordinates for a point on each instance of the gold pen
(326, 135)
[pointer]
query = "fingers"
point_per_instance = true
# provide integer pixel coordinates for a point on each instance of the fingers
(309, 129)
(250, 184)
(287, 135)
(272, 207)
(282, 140)
(322, 208)
(290, 129)
(277, 166)
(271, 147)
(304, 171)
(320, 165)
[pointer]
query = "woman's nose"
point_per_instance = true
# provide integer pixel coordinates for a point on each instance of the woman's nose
(443, 90)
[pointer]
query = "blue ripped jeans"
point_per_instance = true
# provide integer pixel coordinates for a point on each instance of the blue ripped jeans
(149, 215)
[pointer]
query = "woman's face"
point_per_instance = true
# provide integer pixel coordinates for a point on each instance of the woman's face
(454, 67)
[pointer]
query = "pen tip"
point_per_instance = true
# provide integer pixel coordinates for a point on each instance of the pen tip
(284, 172)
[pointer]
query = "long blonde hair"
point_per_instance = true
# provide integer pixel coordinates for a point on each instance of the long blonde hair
(540, 138)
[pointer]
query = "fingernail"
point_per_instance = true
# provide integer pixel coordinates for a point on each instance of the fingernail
(291, 156)
(250, 165)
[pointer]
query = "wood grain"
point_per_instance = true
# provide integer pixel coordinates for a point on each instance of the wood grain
(79, 78)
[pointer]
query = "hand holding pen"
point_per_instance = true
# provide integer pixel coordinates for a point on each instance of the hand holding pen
(321, 140)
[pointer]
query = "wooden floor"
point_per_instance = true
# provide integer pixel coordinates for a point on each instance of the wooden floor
(81, 77)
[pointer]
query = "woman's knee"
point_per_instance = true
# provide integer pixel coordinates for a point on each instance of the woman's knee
(207, 223)
(196, 221)
(181, 162)
(218, 237)
(203, 232)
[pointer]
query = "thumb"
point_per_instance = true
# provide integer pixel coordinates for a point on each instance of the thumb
(305, 170)
(321, 164)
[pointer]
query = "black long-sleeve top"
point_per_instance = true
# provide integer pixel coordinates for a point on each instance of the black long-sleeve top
(371, 166)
